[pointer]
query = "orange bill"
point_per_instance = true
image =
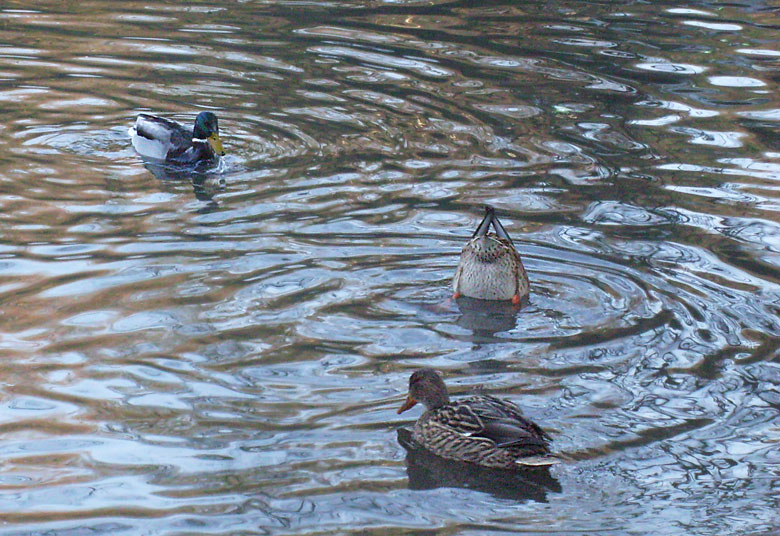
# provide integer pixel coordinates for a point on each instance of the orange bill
(410, 402)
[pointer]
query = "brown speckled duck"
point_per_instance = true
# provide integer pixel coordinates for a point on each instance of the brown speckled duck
(483, 430)
(490, 267)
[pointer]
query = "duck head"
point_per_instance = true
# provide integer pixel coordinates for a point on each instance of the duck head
(426, 386)
(207, 129)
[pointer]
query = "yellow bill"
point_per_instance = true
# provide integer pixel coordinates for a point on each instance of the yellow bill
(216, 144)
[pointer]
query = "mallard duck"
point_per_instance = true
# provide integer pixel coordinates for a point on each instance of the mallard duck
(490, 267)
(483, 430)
(163, 139)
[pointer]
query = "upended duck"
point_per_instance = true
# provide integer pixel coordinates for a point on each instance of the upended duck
(483, 430)
(490, 267)
(163, 139)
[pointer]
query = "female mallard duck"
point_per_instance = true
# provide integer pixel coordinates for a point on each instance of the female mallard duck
(160, 138)
(483, 430)
(490, 267)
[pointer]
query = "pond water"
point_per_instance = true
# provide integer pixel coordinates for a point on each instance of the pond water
(223, 352)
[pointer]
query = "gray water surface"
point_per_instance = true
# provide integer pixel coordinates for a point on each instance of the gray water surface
(223, 352)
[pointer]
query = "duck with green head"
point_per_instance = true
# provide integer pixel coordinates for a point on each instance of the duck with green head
(490, 267)
(163, 139)
(483, 430)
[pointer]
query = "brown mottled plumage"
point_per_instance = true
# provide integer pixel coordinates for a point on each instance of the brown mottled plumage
(482, 430)
(490, 267)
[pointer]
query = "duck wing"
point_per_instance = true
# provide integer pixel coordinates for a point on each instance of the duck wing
(158, 137)
(501, 232)
(507, 435)
(500, 421)
(163, 130)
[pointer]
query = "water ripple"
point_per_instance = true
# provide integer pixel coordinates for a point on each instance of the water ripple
(224, 351)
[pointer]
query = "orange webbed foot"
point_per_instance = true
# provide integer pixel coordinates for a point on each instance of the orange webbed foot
(516, 300)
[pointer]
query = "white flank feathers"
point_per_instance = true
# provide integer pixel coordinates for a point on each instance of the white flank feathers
(156, 148)
(537, 461)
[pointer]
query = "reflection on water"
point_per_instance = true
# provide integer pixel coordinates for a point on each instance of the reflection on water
(485, 318)
(205, 182)
(223, 351)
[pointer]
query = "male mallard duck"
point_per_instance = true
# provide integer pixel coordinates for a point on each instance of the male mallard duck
(490, 267)
(163, 139)
(483, 430)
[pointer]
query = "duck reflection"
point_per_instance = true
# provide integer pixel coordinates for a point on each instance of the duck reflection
(428, 471)
(206, 181)
(487, 317)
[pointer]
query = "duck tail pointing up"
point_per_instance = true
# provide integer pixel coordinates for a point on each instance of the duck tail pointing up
(484, 226)
(500, 231)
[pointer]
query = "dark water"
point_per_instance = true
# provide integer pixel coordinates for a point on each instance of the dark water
(224, 353)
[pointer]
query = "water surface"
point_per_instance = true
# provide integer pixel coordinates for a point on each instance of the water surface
(224, 352)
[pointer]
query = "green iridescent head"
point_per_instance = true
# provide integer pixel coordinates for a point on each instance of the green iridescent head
(207, 129)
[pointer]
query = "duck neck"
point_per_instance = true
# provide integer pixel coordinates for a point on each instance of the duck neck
(199, 132)
(437, 399)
